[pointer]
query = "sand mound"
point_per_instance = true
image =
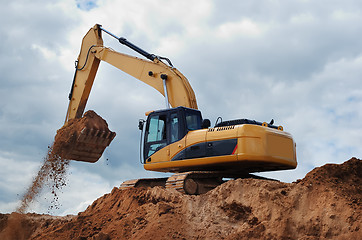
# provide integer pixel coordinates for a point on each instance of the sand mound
(326, 204)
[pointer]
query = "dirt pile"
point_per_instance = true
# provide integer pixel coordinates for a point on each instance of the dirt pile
(326, 204)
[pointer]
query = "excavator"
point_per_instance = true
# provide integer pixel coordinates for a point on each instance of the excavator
(176, 139)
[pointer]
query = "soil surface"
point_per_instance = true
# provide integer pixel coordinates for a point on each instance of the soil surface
(326, 204)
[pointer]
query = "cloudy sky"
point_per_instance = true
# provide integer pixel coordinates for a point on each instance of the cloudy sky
(298, 62)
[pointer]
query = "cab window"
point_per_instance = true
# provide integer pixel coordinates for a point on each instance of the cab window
(157, 129)
(156, 135)
(193, 120)
(174, 128)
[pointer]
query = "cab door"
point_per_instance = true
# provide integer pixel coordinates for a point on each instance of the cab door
(176, 133)
(155, 142)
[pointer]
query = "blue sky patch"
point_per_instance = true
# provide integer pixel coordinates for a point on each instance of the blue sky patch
(86, 4)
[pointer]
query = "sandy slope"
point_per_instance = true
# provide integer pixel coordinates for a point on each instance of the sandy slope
(326, 204)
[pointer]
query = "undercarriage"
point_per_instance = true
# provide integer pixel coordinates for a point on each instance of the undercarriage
(192, 183)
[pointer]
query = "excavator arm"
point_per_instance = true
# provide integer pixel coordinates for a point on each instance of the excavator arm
(90, 142)
(154, 72)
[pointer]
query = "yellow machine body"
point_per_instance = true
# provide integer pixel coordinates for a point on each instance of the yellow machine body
(249, 148)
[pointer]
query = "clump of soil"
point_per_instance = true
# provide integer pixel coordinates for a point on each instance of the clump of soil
(319, 206)
(54, 169)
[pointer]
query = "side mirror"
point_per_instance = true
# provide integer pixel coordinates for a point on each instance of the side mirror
(140, 124)
(206, 123)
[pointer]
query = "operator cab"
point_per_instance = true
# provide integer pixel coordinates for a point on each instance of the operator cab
(164, 127)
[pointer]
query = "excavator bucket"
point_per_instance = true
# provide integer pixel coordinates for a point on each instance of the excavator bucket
(89, 145)
(83, 139)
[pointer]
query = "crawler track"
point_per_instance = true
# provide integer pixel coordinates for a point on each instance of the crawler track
(193, 183)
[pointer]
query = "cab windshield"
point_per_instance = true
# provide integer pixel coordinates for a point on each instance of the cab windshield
(156, 137)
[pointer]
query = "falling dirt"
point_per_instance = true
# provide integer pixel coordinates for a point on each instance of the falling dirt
(52, 173)
(326, 204)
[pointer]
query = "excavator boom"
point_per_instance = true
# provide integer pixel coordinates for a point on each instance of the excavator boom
(91, 142)
(153, 73)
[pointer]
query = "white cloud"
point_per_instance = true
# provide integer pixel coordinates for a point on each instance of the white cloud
(47, 53)
(245, 27)
(303, 18)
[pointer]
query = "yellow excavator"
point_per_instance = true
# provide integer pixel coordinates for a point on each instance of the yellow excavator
(177, 139)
